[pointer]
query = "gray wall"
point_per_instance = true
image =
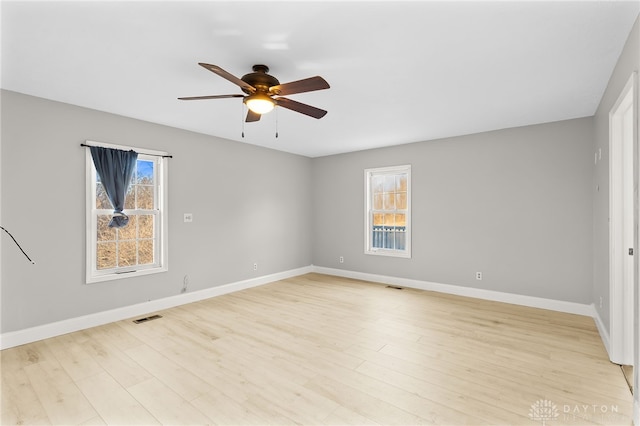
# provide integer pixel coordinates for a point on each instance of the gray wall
(514, 204)
(520, 205)
(628, 62)
(249, 204)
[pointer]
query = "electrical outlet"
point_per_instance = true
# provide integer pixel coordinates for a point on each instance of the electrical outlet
(600, 302)
(185, 284)
(341, 259)
(479, 276)
(188, 217)
(255, 266)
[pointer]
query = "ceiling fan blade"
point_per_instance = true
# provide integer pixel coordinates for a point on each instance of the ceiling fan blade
(193, 98)
(301, 108)
(232, 78)
(252, 116)
(306, 85)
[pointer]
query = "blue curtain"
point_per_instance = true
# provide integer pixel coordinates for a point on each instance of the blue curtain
(115, 168)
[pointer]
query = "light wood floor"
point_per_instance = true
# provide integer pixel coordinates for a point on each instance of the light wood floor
(317, 349)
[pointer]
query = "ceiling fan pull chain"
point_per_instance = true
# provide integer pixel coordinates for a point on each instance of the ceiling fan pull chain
(242, 118)
(276, 123)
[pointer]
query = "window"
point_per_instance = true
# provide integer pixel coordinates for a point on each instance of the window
(140, 247)
(387, 211)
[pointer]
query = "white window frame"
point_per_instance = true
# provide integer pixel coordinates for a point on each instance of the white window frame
(93, 275)
(368, 220)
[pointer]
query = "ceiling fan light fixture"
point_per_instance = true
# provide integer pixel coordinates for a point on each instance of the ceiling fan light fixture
(259, 103)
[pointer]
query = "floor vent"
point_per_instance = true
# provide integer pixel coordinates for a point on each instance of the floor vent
(152, 317)
(394, 287)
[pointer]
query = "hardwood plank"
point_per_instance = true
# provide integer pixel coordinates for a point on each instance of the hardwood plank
(20, 403)
(363, 404)
(180, 380)
(59, 395)
(344, 416)
(114, 361)
(96, 421)
(74, 359)
(113, 403)
(224, 410)
(166, 405)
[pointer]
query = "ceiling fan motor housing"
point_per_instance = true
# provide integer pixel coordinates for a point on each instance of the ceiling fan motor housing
(260, 79)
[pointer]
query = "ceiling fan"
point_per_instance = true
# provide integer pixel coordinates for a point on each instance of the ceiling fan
(264, 92)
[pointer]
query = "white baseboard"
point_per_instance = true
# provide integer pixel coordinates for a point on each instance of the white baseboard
(21, 337)
(516, 299)
(636, 412)
(604, 332)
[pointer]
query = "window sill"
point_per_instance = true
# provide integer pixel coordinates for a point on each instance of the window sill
(389, 253)
(122, 275)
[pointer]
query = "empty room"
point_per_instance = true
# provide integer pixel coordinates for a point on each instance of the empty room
(312, 212)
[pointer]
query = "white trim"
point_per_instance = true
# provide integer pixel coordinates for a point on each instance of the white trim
(368, 212)
(93, 276)
(620, 301)
(21, 337)
(602, 329)
(636, 412)
(496, 296)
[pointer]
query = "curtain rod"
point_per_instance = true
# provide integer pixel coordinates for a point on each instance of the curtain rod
(142, 152)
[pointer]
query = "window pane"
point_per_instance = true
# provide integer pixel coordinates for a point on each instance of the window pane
(400, 219)
(144, 197)
(400, 240)
(377, 184)
(129, 232)
(389, 220)
(401, 200)
(145, 226)
(144, 173)
(102, 201)
(378, 219)
(401, 182)
(377, 201)
(390, 201)
(106, 255)
(104, 232)
(377, 237)
(388, 237)
(389, 183)
(127, 253)
(145, 252)
(130, 198)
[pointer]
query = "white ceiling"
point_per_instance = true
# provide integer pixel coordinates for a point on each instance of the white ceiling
(399, 72)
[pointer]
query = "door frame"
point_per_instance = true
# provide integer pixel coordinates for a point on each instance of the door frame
(621, 293)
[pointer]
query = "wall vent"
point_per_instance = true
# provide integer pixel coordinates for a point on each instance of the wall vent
(394, 287)
(152, 317)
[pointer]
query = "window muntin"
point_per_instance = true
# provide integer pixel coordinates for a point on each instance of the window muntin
(138, 248)
(387, 216)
